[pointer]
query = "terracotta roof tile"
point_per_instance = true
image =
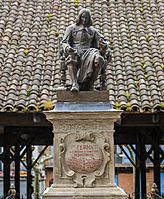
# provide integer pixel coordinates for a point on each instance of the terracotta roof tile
(29, 60)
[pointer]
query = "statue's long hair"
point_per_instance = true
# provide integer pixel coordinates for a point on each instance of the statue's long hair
(78, 19)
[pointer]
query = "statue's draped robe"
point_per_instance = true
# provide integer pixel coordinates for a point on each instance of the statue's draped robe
(85, 41)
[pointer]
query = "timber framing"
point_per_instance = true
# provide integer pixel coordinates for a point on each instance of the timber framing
(22, 130)
(126, 130)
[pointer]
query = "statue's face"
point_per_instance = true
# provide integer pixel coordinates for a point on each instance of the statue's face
(85, 18)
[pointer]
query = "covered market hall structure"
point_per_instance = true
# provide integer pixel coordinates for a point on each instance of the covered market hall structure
(30, 31)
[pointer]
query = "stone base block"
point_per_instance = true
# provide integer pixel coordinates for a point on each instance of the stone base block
(114, 192)
(83, 96)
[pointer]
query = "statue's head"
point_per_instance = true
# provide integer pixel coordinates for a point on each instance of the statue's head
(84, 17)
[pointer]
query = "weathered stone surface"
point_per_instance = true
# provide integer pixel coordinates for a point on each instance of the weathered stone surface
(82, 96)
(112, 192)
(83, 155)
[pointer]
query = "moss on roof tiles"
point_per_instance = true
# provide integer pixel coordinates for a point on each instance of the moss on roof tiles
(29, 60)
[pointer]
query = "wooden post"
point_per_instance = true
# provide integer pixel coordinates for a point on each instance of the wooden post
(6, 164)
(29, 177)
(137, 172)
(143, 167)
(156, 161)
(17, 171)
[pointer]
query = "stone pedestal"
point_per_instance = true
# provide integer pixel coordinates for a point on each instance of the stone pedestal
(83, 151)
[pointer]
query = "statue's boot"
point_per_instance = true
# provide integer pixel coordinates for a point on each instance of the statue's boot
(74, 88)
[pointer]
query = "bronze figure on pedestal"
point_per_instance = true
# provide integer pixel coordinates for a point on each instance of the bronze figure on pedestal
(85, 53)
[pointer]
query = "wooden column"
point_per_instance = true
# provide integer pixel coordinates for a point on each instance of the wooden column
(29, 176)
(142, 166)
(156, 160)
(6, 164)
(17, 170)
(137, 171)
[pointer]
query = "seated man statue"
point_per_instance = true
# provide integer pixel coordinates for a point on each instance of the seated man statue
(85, 52)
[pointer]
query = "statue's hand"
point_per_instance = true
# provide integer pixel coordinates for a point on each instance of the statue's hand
(72, 56)
(71, 50)
(103, 43)
(109, 56)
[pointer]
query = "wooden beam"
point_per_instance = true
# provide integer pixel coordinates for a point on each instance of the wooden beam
(20, 135)
(23, 119)
(127, 155)
(135, 119)
(41, 153)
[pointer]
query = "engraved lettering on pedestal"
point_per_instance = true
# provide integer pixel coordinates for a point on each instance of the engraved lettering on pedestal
(82, 127)
(84, 157)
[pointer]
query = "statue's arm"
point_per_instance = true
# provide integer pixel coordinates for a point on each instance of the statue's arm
(102, 43)
(103, 46)
(99, 41)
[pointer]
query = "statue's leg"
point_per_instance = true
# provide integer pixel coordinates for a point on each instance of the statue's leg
(103, 77)
(72, 68)
(98, 64)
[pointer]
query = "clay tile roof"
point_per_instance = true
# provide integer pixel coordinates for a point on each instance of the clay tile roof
(29, 60)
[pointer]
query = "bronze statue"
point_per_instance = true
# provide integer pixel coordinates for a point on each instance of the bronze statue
(85, 52)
